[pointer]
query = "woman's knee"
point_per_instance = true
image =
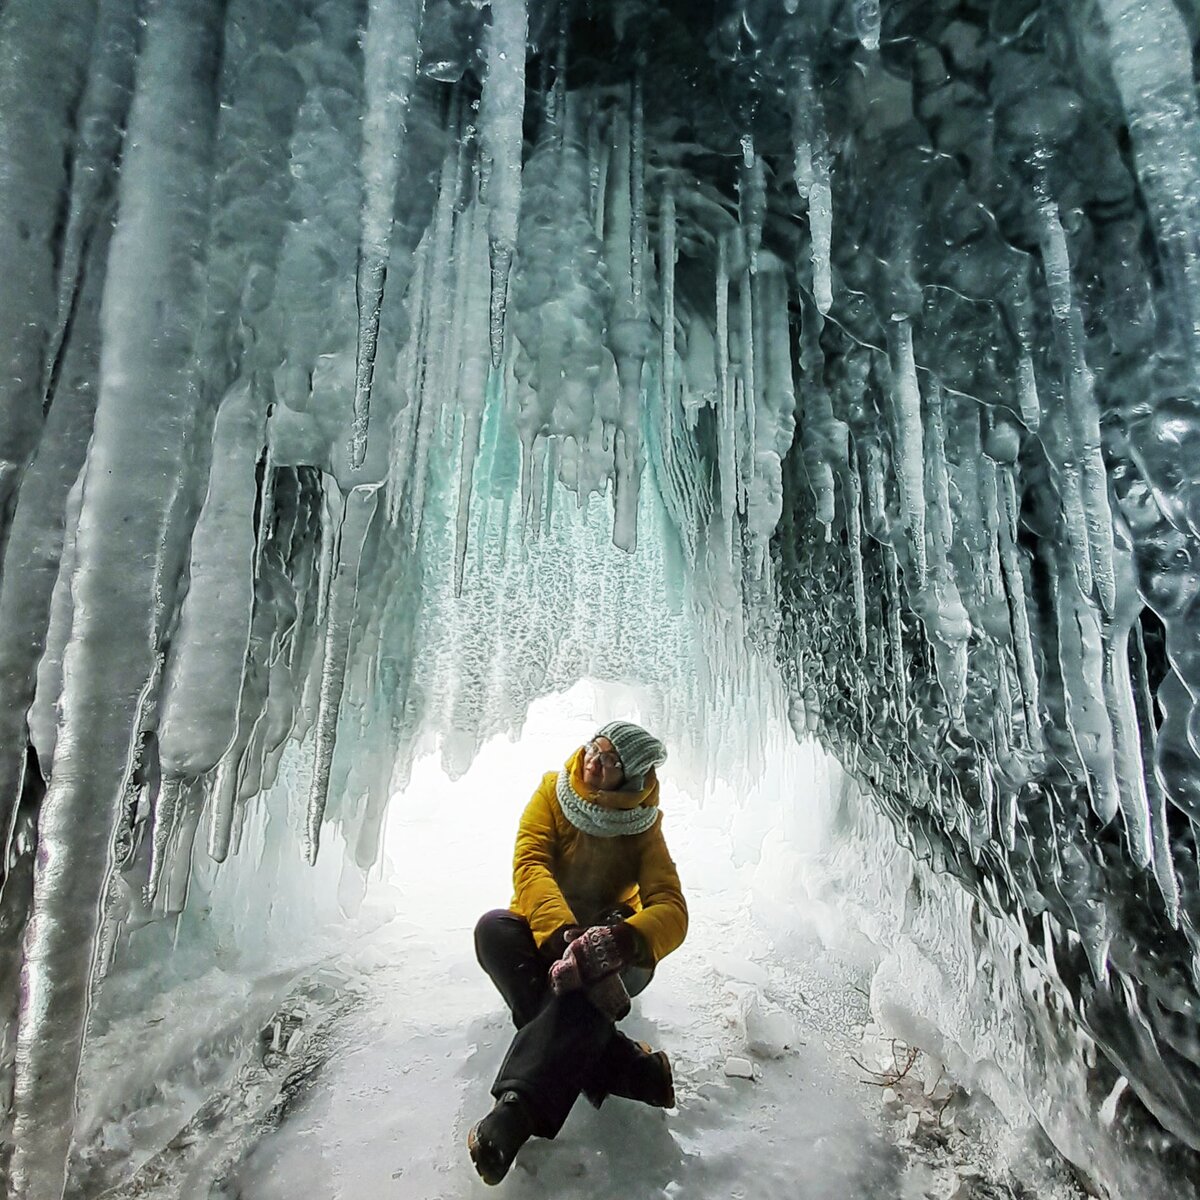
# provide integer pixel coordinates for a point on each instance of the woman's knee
(499, 929)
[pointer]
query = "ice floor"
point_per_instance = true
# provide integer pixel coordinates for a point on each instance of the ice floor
(389, 1115)
(352, 1067)
(404, 1072)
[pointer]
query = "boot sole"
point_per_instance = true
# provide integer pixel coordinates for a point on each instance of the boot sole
(490, 1171)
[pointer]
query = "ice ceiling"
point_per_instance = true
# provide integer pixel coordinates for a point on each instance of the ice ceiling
(361, 354)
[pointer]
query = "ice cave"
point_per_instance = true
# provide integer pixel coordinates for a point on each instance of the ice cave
(394, 391)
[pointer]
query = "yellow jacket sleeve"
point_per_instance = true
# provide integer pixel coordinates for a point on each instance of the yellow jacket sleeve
(538, 897)
(663, 921)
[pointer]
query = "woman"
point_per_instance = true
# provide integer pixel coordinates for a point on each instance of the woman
(597, 906)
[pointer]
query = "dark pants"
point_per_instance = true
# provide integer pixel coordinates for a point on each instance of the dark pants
(564, 1045)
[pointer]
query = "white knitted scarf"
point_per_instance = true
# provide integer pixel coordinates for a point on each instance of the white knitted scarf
(597, 821)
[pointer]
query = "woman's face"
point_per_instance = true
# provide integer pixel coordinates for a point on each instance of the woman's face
(602, 765)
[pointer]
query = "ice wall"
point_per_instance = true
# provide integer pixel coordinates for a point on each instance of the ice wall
(375, 368)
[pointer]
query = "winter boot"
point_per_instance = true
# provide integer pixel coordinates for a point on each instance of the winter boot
(635, 1072)
(493, 1142)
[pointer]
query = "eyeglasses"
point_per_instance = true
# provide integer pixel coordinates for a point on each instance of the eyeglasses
(607, 758)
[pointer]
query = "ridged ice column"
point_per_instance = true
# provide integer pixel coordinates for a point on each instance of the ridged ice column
(150, 313)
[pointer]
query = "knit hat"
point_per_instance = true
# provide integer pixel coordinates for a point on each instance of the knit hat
(639, 751)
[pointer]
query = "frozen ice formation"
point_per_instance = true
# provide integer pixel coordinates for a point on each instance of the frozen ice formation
(373, 369)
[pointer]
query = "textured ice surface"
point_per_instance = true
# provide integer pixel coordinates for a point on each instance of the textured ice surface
(835, 358)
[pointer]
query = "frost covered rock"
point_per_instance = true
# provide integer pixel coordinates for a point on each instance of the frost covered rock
(739, 1068)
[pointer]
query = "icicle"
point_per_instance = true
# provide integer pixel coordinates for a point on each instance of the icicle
(666, 270)
(945, 616)
(1027, 393)
(989, 599)
(203, 674)
(1007, 817)
(1073, 517)
(895, 632)
(820, 220)
(811, 171)
(445, 282)
(170, 810)
(44, 711)
(479, 385)
(1082, 407)
(1001, 722)
(629, 339)
(1081, 664)
(1015, 583)
(825, 449)
(266, 505)
(222, 796)
(853, 502)
(943, 535)
(359, 508)
(331, 523)
(101, 119)
(440, 333)
(1120, 702)
(1152, 66)
(637, 193)
(38, 554)
(1164, 866)
(749, 390)
(599, 154)
(1127, 748)
(532, 517)
(910, 449)
(727, 451)
(875, 495)
(412, 357)
(752, 189)
(391, 48)
(135, 467)
(41, 73)
(501, 117)
(393, 489)
(774, 423)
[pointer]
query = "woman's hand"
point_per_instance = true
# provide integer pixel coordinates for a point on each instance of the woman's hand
(597, 953)
(555, 946)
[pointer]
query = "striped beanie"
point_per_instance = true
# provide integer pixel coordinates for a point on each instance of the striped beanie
(639, 750)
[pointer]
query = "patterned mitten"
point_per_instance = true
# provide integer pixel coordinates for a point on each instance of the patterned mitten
(595, 954)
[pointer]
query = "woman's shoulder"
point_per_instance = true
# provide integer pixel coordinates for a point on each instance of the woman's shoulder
(547, 791)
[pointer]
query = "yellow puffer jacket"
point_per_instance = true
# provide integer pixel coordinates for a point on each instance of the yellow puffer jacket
(563, 876)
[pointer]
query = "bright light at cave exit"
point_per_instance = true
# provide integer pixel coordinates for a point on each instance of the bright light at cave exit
(448, 843)
(452, 838)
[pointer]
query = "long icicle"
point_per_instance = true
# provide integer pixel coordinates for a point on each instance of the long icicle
(391, 50)
(501, 118)
(479, 382)
(135, 464)
(910, 445)
(1083, 410)
(359, 508)
(42, 70)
